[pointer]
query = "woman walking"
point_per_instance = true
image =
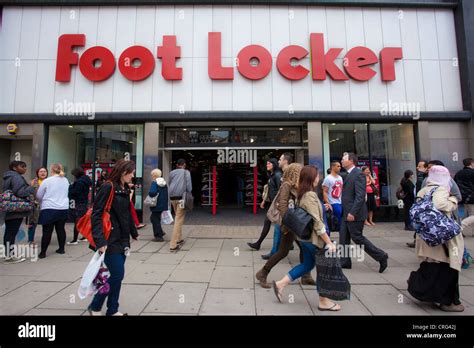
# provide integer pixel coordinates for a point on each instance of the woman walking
(117, 245)
(288, 191)
(158, 187)
(437, 279)
(309, 201)
(79, 198)
(13, 180)
(408, 187)
(54, 202)
(41, 174)
(370, 190)
(274, 181)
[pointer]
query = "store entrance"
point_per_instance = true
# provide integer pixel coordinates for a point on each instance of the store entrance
(235, 181)
(19, 149)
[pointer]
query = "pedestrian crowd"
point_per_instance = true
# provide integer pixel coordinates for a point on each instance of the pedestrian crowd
(302, 204)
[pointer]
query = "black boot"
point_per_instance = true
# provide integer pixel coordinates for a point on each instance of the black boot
(255, 245)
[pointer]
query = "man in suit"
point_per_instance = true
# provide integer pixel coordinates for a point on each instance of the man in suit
(354, 213)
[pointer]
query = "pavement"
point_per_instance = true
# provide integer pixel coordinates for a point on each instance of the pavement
(214, 274)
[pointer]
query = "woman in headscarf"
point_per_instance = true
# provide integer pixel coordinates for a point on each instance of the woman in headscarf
(437, 279)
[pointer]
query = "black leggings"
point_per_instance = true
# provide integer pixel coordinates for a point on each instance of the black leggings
(266, 228)
(48, 232)
(12, 227)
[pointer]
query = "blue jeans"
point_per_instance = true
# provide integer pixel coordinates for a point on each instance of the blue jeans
(276, 239)
(309, 261)
(31, 233)
(116, 265)
(337, 211)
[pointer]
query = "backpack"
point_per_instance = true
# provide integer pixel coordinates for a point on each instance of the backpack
(433, 226)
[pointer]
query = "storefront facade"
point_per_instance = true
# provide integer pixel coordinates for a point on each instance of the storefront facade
(88, 85)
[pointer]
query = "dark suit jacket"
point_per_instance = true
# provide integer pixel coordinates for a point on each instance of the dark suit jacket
(353, 195)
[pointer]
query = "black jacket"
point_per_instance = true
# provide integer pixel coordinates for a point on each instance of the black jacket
(274, 182)
(79, 190)
(17, 184)
(409, 188)
(465, 180)
(353, 195)
(122, 224)
(161, 189)
(420, 177)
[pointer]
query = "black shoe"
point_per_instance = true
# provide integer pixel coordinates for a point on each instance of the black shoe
(346, 266)
(383, 263)
(42, 255)
(60, 251)
(266, 256)
(158, 239)
(254, 246)
(181, 242)
(411, 245)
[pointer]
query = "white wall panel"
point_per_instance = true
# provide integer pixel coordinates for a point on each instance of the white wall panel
(50, 20)
(30, 29)
(45, 85)
(446, 33)
(70, 17)
(183, 90)
(390, 19)
(427, 31)
(414, 82)
(354, 26)
(10, 33)
(432, 85)
(373, 29)
(377, 91)
(202, 26)
(222, 22)
(262, 98)
(279, 29)
(281, 91)
(336, 31)
(183, 28)
(409, 35)
(450, 81)
(359, 92)
(241, 28)
(8, 73)
(25, 87)
(396, 89)
(299, 33)
(301, 90)
(202, 86)
(260, 25)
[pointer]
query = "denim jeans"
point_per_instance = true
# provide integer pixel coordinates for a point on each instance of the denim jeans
(337, 211)
(276, 239)
(309, 261)
(116, 265)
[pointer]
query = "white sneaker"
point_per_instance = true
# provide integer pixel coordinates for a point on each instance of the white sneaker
(13, 259)
(93, 313)
(73, 243)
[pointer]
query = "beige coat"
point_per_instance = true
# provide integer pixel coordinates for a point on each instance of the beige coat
(310, 202)
(447, 204)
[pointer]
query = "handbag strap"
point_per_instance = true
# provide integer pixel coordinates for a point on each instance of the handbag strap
(108, 205)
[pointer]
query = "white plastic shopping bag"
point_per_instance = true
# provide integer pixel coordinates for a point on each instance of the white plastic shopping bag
(167, 217)
(87, 288)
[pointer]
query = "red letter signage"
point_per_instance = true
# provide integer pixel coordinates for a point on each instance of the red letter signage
(324, 62)
(66, 57)
(356, 59)
(97, 63)
(131, 54)
(258, 71)
(215, 69)
(388, 55)
(284, 62)
(168, 53)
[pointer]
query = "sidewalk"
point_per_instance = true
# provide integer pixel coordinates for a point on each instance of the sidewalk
(214, 274)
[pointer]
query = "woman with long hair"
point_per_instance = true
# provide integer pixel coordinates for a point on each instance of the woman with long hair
(116, 247)
(41, 174)
(408, 188)
(437, 279)
(288, 191)
(309, 201)
(54, 201)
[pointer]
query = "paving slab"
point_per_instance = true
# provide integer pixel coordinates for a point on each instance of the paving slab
(177, 297)
(12, 282)
(208, 243)
(431, 309)
(149, 274)
(152, 247)
(235, 258)
(201, 255)
(386, 300)
(225, 277)
(28, 296)
(199, 272)
(68, 272)
(165, 259)
(294, 302)
(228, 302)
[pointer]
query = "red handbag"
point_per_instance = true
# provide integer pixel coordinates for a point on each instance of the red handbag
(84, 224)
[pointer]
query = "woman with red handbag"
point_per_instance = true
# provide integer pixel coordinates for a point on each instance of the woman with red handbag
(117, 244)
